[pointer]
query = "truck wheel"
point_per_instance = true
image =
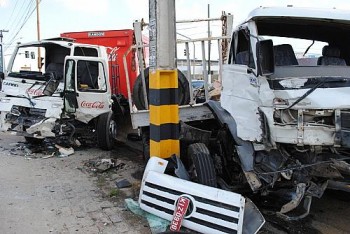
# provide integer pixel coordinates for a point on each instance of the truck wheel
(146, 145)
(137, 92)
(106, 131)
(201, 166)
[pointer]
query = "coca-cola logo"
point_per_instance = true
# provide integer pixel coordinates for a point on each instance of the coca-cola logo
(97, 104)
(35, 92)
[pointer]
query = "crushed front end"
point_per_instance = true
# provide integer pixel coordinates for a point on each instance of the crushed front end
(20, 115)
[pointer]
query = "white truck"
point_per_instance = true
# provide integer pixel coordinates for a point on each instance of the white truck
(282, 126)
(32, 109)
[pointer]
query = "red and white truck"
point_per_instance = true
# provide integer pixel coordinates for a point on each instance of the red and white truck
(91, 105)
(95, 97)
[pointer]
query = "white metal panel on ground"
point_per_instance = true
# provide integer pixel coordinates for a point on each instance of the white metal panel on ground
(198, 218)
(211, 210)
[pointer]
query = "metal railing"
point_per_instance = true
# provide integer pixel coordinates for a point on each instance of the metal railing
(139, 46)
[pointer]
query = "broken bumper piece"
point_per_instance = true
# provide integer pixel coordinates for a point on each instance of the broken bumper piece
(210, 210)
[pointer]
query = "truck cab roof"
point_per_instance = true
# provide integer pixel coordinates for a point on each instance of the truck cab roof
(65, 42)
(312, 24)
(301, 13)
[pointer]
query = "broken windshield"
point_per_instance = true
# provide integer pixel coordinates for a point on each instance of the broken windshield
(39, 62)
(27, 64)
(307, 42)
(295, 51)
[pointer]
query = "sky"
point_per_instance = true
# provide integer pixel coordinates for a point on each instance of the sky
(57, 16)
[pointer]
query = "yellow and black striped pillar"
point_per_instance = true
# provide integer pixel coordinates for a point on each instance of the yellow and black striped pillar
(163, 81)
(164, 113)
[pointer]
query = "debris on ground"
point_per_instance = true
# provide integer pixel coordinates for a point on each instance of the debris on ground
(34, 149)
(156, 224)
(64, 152)
(105, 164)
(102, 165)
(124, 183)
(49, 156)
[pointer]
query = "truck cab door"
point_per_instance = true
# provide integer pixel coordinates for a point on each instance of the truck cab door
(69, 93)
(240, 95)
(86, 90)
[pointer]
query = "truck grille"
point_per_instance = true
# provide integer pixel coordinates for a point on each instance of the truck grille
(26, 111)
(211, 210)
(345, 119)
(25, 116)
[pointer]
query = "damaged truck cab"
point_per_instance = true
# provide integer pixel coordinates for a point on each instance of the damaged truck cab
(283, 118)
(63, 93)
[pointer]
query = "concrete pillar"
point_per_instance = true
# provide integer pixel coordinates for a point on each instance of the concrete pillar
(163, 83)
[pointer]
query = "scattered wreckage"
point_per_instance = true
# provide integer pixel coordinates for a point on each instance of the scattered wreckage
(281, 127)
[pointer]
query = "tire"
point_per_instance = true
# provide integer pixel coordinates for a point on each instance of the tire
(33, 140)
(106, 131)
(201, 166)
(146, 145)
(137, 92)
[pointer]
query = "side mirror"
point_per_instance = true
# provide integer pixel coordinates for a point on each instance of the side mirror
(51, 86)
(265, 57)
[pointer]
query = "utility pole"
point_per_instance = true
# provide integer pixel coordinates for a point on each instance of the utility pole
(163, 81)
(209, 45)
(38, 32)
(1, 36)
(2, 51)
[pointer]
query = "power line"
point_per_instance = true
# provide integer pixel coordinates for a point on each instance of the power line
(23, 17)
(13, 10)
(29, 13)
(17, 15)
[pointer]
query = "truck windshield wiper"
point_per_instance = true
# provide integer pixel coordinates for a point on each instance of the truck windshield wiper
(322, 82)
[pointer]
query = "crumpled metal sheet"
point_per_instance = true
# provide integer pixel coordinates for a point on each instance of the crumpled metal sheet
(43, 128)
(299, 194)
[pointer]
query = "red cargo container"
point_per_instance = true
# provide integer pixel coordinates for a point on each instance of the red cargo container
(120, 41)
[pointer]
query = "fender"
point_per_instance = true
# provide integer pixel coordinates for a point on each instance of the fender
(244, 149)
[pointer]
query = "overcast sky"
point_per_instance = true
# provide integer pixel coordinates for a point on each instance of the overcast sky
(77, 15)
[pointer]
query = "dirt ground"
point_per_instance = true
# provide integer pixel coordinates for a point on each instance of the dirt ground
(74, 195)
(62, 195)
